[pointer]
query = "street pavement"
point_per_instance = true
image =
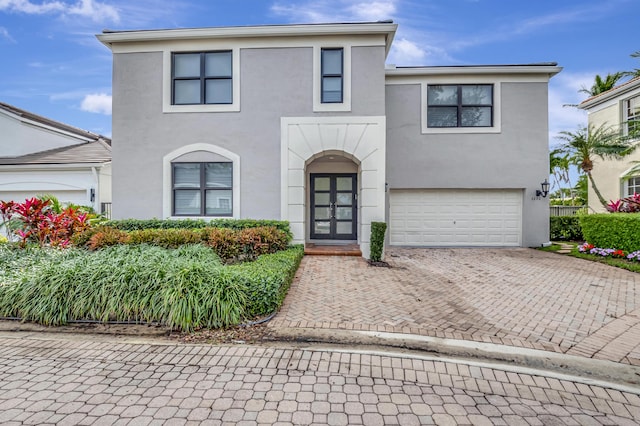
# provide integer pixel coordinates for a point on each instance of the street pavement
(73, 380)
(547, 340)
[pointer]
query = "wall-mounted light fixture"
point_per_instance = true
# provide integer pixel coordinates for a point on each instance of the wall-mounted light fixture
(545, 189)
(92, 195)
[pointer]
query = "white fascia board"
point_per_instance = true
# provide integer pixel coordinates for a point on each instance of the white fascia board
(522, 70)
(612, 95)
(108, 38)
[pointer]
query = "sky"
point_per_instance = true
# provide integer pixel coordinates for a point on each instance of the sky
(54, 66)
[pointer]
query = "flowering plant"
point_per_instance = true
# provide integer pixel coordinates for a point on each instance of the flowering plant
(604, 252)
(619, 254)
(583, 248)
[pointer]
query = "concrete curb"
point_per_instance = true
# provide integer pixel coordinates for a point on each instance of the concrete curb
(531, 358)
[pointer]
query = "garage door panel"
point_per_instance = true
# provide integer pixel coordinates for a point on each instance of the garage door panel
(455, 217)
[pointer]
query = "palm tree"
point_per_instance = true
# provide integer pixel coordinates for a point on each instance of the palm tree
(600, 86)
(559, 167)
(636, 72)
(603, 142)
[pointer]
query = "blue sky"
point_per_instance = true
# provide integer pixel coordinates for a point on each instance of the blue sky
(54, 66)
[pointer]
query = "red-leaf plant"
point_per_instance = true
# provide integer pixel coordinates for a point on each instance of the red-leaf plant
(41, 224)
(625, 205)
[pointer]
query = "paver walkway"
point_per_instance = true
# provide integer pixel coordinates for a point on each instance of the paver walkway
(518, 297)
(63, 380)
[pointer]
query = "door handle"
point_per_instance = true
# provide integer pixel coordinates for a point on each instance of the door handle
(332, 206)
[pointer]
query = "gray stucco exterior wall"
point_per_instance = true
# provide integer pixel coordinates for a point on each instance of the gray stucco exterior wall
(274, 83)
(515, 158)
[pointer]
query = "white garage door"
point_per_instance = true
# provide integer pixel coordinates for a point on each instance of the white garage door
(455, 218)
(75, 197)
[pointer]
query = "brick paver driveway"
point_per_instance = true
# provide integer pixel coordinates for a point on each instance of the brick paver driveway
(519, 297)
(76, 381)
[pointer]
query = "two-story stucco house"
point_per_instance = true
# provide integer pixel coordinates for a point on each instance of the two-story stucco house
(615, 108)
(305, 123)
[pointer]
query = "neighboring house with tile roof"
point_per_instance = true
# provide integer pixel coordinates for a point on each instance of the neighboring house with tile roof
(615, 108)
(43, 156)
(305, 123)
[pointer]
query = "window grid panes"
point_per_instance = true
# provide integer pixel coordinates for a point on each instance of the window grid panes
(203, 189)
(633, 186)
(332, 70)
(462, 105)
(632, 115)
(202, 78)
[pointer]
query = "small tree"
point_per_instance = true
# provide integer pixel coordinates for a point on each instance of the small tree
(585, 143)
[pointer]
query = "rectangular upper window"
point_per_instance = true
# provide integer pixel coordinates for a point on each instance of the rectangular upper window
(631, 112)
(202, 189)
(461, 105)
(332, 75)
(202, 78)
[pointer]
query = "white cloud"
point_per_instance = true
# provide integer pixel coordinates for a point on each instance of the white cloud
(373, 11)
(4, 34)
(336, 10)
(100, 103)
(96, 11)
(406, 52)
(25, 6)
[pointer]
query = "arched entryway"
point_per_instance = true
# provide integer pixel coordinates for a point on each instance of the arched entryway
(310, 142)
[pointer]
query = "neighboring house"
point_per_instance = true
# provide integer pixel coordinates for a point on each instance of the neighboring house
(614, 108)
(305, 123)
(42, 156)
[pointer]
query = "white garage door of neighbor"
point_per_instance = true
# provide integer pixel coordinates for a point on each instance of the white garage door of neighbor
(73, 196)
(455, 217)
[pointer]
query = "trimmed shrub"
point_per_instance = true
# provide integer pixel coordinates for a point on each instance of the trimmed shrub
(261, 240)
(229, 244)
(167, 238)
(237, 224)
(106, 236)
(612, 230)
(565, 228)
(223, 241)
(378, 230)
(268, 279)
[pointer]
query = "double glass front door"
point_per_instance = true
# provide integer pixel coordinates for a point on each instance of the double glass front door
(333, 206)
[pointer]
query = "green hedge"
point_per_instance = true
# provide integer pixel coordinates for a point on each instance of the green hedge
(378, 230)
(237, 224)
(565, 228)
(185, 288)
(267, 279)
(612, 230)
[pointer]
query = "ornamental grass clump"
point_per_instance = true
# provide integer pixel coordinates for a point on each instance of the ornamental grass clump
(185, 288)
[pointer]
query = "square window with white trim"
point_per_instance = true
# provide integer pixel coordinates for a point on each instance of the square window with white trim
(459, 105)
(202, 78)
(202, 189)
